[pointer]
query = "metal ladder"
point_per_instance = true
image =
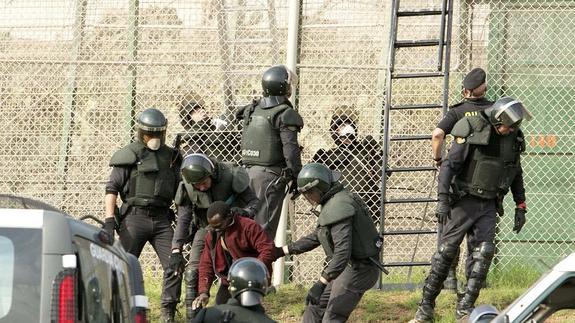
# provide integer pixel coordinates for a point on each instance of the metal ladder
(411, 141)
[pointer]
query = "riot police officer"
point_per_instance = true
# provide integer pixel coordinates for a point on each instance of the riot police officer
(205, 180)
(350, 240)
(270, 148)
(145, 174)
(248, 279)
(474, 90)
(482, 165)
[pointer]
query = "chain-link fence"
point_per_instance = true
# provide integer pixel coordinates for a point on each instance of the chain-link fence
(73, 74)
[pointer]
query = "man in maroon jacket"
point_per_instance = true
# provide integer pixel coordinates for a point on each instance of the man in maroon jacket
(230, 237)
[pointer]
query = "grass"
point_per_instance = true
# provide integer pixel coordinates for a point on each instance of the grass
(287, 303)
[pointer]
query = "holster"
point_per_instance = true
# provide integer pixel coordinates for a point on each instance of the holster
(455, 193)
(120, 214)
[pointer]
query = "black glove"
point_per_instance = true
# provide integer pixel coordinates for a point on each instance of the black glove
(278, 252)
(443, 211)
(109, 226)
(499, 206)
(241, 212)
(519, 219)
(314, 294)
(176, 263)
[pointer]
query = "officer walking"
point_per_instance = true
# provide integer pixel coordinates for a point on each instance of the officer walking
(248, 279)
(482, 165)
(474, 89)
(205, 180)
(350, 240)
(270, 148)
(145, 175)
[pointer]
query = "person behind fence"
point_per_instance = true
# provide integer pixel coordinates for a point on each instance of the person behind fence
(205, 180)
(481, 166)
(474, 90)
(214, 137)
(349, 238)
(359, 161)
(270, 148)
(145, 174)
(229, 238)
(248, 278)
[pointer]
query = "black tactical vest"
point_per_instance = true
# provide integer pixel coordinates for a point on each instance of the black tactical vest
(492, 167)
(261, 142)
(152, 178)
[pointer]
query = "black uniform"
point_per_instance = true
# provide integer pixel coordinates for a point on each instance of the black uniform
(233, 312)
(349, 271)
(466, 108)
(230, 184)
(480, 169)
(147, 217)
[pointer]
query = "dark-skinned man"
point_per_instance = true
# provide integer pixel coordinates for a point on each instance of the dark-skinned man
(205, 180)
(474, 90)
(270, 148)
(482, 165)
(230, 237)
(248, 279)
(145, 175)
(349, 238)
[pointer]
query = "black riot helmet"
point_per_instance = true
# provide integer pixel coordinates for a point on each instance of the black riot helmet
(507, 111)
(248, 278)
(316, 175)
(196, 167)
(278, 81)
(151, 122)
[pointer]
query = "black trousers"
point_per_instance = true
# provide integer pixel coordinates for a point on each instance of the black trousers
(342, 295)
(153, 226)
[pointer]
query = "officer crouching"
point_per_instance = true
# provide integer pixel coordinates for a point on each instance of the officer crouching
(349, 238)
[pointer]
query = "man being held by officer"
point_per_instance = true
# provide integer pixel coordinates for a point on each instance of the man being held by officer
(350, 240)
(270, 148)
(483, 164)
(205, 180)
(145, 174)
(248, 278)
(229, 238)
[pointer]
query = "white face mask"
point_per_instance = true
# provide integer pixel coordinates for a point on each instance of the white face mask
(154, 143)
(346, 130)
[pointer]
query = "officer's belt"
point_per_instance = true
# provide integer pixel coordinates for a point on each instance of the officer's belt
(151, 211)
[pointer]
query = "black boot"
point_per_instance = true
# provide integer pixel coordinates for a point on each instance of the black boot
(440, 264)
(450, 282)
(167, 313)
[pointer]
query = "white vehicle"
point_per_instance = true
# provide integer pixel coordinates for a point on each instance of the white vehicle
(554, 291)
(59, 269)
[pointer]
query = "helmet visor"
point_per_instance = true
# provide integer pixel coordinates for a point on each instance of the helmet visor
(250, 298)
(513, 113)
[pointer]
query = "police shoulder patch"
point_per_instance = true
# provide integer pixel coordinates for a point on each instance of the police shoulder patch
(460, 140)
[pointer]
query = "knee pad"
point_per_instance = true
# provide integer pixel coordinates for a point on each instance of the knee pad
(485, 250)
(482, 256)
(443, 258)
